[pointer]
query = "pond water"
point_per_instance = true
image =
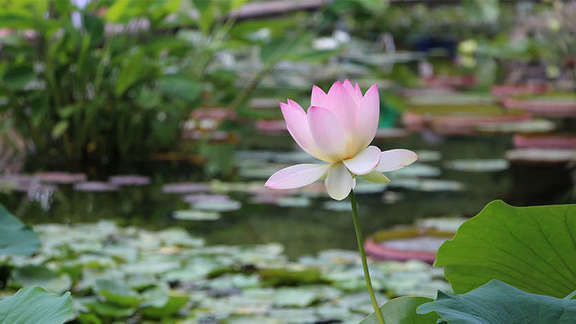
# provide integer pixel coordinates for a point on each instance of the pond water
(456, 176)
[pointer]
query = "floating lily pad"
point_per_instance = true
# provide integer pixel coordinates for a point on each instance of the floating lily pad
(529, 126)
(486, 165)
(38, 275)
(443, 224)
(110, 310)
(454, 99)
(117, 292)
(60, 177)
(428, 156)
(194, 198)
(337, 206)
(427, 185)
(197, 215)
(417, 170)
(548, 141)
(129, 180)
(541, 156)
(95, 186)
(162, 304)
(293, 202)
(186, 187)
(296, 297)
(219, 205)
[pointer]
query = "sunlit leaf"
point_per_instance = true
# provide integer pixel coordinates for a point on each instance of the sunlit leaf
(531, 248)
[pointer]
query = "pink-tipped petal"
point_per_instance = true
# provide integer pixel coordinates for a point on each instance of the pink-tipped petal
(376, 177)
(297, 124)
(367, 116)
(357, 91)
(364, 162)
(339, 182)
(319, 97)
(342, 104)
(395, 159)
(347, 85)
(327, 133)
(296, 176)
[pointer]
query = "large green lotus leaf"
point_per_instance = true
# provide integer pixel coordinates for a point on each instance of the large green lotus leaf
(402, 310)
(15, 237)
(498, 302)
(531, 248)
(35, 305)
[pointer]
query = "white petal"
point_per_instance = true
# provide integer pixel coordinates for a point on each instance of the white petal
(395, 159)
(339, 181)
(296, 176)
(376, 176)
(365, 161)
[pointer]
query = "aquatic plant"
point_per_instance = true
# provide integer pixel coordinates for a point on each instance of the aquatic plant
(337, 129)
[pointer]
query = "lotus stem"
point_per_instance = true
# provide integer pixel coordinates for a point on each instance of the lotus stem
(360, 240)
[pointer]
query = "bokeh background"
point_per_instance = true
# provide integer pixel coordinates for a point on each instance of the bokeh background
(165, 113)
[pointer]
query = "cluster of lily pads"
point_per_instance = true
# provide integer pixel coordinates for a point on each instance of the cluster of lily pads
(120, 274)
(506, 265)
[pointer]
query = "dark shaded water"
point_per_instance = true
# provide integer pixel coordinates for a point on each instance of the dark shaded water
(306, 230)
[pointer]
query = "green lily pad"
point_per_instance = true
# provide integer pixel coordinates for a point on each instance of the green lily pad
(15, 237)
(197, 215)
(162, 304)
(498, 302)
(402, 310)
(110, 310)
(296, 297)
(34, 305)
(117, 292)
(531, 248)
(38, 275)
(218, 206)
(287, 277)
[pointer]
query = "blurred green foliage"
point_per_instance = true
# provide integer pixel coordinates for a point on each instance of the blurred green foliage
(114, 80)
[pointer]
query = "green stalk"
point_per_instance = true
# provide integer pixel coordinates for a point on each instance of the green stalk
(360, 241)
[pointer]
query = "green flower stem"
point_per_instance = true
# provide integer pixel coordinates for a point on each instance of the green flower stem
(360, 241)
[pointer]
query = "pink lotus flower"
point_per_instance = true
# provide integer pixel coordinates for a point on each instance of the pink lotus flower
(338, 129)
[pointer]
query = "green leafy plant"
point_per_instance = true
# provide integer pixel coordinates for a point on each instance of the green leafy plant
(402, 310)
(507, 265)
(498, 302)
(15, 237)
(36, 305)
(531, 248)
